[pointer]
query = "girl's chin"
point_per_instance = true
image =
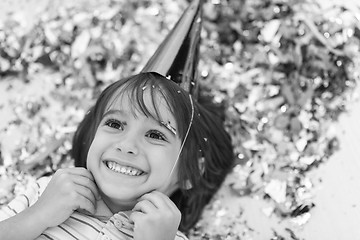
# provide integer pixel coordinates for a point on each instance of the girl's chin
(124, 199)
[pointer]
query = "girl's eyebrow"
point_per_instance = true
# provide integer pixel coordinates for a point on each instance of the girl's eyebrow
(162, 123)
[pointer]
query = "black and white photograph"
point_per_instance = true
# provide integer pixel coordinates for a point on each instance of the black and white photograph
(180, 119)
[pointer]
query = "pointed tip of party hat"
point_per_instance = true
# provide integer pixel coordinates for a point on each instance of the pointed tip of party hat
(177, 56)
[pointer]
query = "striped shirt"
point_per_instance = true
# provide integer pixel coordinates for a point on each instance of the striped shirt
(78, 226)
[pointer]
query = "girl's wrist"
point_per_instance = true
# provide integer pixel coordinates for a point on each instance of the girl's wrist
(25, 225)
(37, 219)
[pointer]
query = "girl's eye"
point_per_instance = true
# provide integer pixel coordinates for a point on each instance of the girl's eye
(156, 135)
(116, 124)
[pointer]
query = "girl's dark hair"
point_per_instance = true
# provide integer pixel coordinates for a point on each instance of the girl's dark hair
(207, 155)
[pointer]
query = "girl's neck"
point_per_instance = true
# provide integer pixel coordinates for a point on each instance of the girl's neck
(102, 209)
(105, 207)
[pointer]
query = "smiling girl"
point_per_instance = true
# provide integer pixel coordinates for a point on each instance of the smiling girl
(148, 159)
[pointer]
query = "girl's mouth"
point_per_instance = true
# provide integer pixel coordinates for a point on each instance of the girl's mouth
(130, 171)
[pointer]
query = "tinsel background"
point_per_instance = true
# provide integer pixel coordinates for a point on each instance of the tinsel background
(285, 70)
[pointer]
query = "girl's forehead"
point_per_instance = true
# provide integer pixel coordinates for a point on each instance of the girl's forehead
(154, 106)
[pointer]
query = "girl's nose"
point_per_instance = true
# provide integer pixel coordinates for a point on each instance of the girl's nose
(127, 144)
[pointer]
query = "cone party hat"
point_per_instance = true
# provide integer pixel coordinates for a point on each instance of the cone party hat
(177, 56)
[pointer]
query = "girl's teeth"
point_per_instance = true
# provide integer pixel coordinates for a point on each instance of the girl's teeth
(124, 170)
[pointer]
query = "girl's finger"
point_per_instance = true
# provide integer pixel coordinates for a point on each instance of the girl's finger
(86, 193)
(84, 203)
(80, 171)
(144, 206)
(87, 183)
(135, 216)
(82, 176)
(159, 200)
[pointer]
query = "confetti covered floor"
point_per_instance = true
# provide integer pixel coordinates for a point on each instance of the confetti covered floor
(316, 196)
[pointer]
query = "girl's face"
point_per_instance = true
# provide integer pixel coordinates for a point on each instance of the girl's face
(132, 154)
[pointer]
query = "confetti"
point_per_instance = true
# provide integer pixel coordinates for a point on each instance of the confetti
(284, 72)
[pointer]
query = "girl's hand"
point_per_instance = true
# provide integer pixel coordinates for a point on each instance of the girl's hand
(156, 217)
(69, 190)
